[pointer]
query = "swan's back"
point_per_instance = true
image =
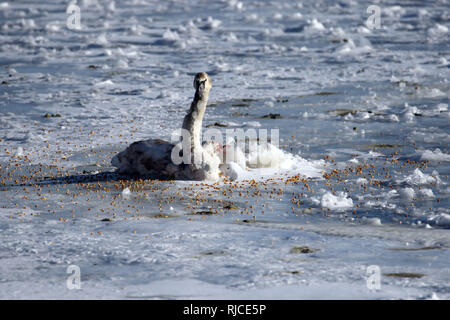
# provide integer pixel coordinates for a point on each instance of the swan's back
(148, 158)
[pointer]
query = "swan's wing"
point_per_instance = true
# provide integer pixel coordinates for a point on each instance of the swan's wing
(148, 157)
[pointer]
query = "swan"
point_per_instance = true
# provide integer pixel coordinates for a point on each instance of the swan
(154, 157)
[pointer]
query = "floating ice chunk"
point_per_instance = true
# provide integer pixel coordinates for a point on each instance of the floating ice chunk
(437, 110)
(315, 201)
(422, 225)
(102, 40)
(211, 24)
(443, 61)
(407, 193)
(363, 30)
(423, 12)
(222, 67)
(441, 107)
(253, 124)
(391, 194)
(409, 113)
(297, 16)
(19, 152)
(348, 117)
(394, 11)
(106, 83)
(28, 23)
(435, 175)
(355, 46)
(164, 94)
(363, 115)
(171, 35)
(30, 137)
(393, 118)
(441, 220)
(235, 4)
(231, 124)
(316, 25)
(436, 155)
(433, 296)
(238, 5)
(370, 155)
(431, 93)
(253, 17)
(269, 104)
(361, 181)
(53, 26)
(169, 38)
(438, 29)
(126, 193)
(371, 221)
(426, 193)
(277, 16)
(112, 6)
(419, 178)
(339, 201)
(230, 37)
(121, 63)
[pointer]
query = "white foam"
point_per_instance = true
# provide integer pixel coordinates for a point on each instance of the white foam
(268, 161)
(233, 170)
(265, 156)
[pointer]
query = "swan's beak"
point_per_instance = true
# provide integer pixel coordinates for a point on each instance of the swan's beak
(201, 85)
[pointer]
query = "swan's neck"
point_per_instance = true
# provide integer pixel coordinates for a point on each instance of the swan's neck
(193, 120)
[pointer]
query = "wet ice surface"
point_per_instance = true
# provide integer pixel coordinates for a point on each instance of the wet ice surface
(368, 109)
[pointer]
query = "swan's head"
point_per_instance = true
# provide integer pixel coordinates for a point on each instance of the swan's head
(202, 82)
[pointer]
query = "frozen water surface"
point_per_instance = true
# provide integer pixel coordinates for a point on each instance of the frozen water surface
(363, 118)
